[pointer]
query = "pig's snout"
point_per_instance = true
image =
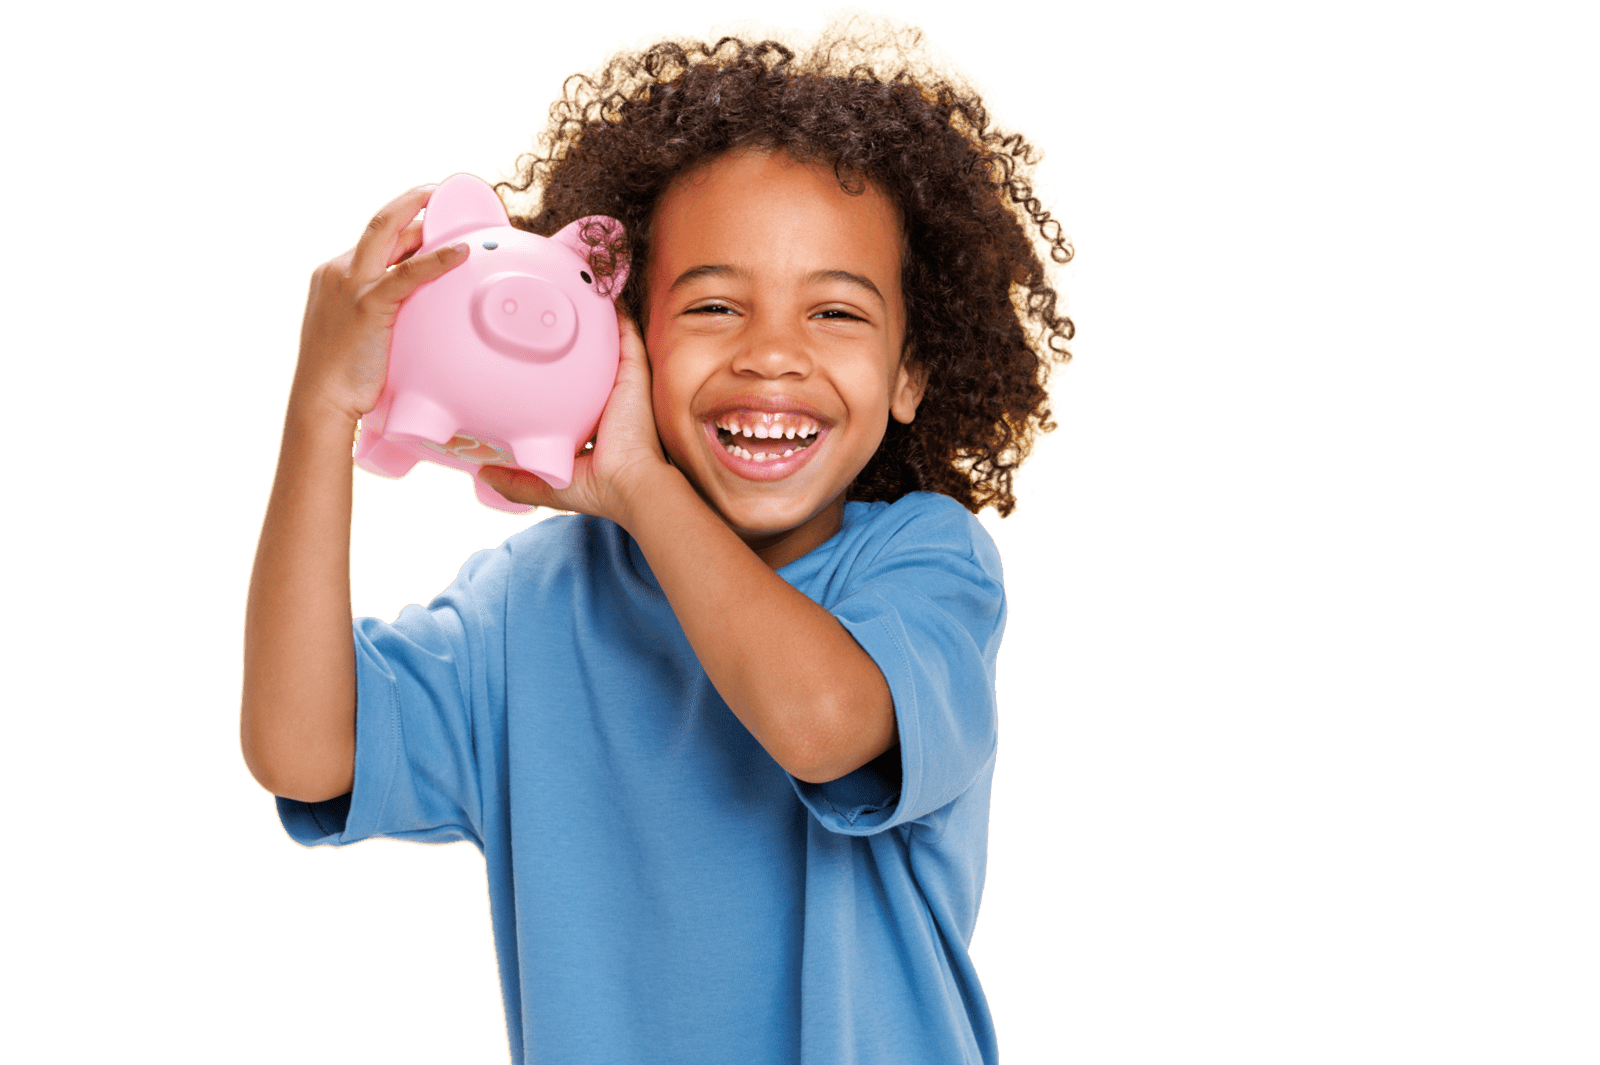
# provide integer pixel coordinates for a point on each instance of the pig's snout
(522, 315)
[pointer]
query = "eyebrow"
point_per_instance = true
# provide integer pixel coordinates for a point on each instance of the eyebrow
(695, 273)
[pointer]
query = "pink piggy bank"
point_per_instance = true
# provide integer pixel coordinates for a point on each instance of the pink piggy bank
(509, 358)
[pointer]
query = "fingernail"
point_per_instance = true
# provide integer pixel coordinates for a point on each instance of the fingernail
(428, 188)
(459, 245)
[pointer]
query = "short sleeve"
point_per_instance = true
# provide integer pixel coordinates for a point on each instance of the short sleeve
(928, 604)
(422, 684)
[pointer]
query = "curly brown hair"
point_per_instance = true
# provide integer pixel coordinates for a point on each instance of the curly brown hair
(981, 318)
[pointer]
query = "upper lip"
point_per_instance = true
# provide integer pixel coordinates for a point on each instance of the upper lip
(766, 405)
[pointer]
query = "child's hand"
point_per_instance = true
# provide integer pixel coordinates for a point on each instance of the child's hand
(626, 448)
(350, 311)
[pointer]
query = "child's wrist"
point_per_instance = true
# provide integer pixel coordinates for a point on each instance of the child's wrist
(312, 410)
(645, 492)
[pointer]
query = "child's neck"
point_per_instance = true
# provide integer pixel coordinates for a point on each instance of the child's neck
(778, 549)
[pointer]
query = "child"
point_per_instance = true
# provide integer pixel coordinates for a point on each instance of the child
(725, 736)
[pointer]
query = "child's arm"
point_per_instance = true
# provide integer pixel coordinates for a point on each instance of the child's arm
(787, 668)
(297, 717)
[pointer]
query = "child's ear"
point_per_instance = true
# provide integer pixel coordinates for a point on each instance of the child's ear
(599, 239)
(910, 382)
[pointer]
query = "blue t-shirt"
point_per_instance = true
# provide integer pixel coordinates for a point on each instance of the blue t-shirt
(661, 890)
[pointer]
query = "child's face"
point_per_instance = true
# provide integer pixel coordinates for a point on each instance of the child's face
(775, 306)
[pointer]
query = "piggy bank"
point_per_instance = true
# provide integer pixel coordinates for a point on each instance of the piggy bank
(506, 360)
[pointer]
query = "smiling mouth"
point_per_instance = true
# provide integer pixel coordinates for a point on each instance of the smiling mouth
(762, 437)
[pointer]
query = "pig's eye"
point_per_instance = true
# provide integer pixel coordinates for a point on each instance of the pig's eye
(490, 245)
(587, 280)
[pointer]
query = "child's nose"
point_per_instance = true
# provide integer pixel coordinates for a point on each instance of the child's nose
(772, 351)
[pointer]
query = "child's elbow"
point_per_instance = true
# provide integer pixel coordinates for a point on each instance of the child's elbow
(821, 755)
(291, 774)
(297, 783)
(820, 774)
(301, 788)
(824, 771)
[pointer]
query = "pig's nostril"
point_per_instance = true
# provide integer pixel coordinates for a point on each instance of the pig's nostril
(536, 320)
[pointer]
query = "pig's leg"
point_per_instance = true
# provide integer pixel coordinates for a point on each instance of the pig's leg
(419, 416)
(376, 454)
(384, 458)
(548, 456)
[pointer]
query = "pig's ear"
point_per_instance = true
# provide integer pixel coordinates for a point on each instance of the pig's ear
(461, 204)
(599, 241)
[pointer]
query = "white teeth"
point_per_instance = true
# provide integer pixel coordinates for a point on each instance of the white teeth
(759, 456)
(769, 427)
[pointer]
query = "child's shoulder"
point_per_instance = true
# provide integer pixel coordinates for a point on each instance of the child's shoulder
(914, 511)
(918, 522)
(907, 564)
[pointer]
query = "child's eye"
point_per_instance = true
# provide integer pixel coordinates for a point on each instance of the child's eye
(837, 314)
(711, 308)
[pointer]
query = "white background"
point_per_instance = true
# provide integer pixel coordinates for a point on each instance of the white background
(1299, 693)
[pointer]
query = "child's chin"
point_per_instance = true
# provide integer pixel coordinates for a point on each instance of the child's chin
(779, 520)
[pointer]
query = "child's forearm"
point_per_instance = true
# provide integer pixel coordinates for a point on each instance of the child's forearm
(298, 717)
(786, 667)
(297, 721)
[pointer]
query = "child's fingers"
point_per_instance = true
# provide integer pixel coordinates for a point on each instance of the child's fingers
(634, 362)
(408, 242)
(632, 342)
(406, 275)
(519, 486)
(374, 251)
